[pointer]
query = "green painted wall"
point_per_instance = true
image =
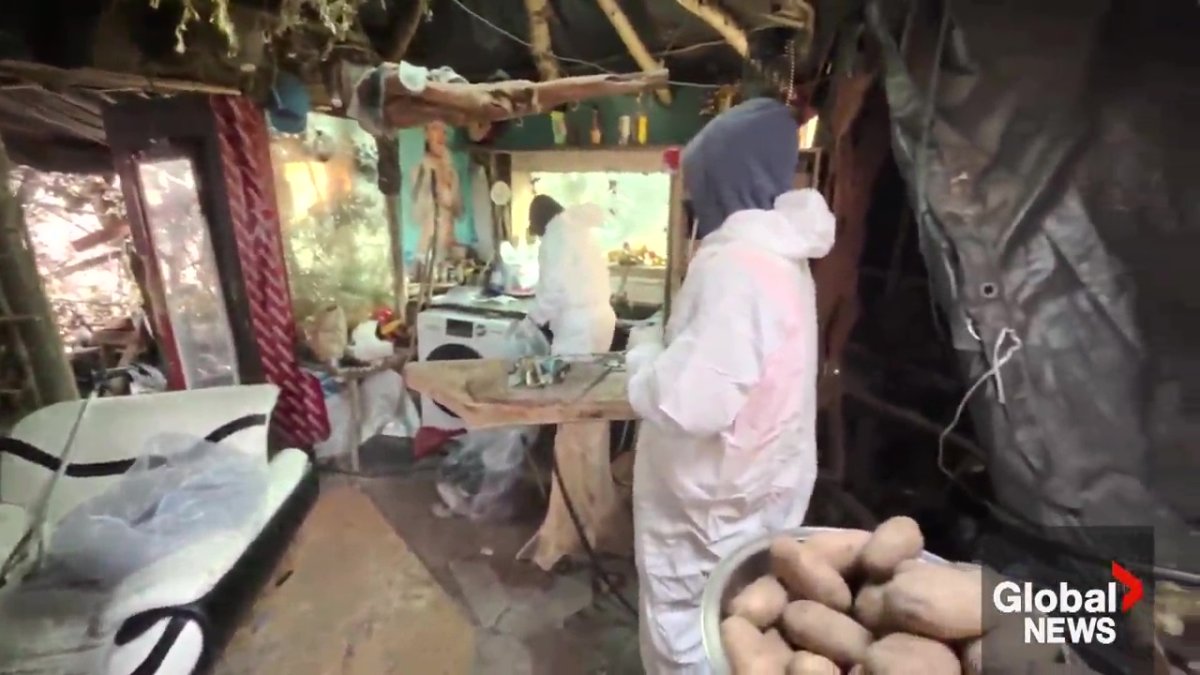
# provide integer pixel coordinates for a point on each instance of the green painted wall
(673, 125)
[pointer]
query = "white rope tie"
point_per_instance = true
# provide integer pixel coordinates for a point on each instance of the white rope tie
(999, 359)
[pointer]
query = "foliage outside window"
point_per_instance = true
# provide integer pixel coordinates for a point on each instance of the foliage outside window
(334, 219)
(638, 204)
(79, 234)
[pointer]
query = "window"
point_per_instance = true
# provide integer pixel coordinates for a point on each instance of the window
(638, 203)
(187, 264)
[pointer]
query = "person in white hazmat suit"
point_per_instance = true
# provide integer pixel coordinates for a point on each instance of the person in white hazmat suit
(573, 297)
(726, 451)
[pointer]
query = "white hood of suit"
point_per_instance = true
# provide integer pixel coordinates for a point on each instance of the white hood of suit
(800, 227)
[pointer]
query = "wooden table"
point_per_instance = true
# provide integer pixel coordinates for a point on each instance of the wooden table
(476, 390)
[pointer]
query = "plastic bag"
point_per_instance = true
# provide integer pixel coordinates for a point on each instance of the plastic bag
(181, 490)
(387, 408)
(482, 469)
(525, 339)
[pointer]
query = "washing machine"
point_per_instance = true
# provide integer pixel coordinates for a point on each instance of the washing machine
(451, 334)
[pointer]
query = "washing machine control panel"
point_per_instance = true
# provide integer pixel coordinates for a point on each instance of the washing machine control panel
(459, 328)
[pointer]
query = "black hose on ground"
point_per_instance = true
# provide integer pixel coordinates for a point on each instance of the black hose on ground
(597, 568)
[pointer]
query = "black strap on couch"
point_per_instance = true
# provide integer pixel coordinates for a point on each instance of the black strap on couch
(116, 467)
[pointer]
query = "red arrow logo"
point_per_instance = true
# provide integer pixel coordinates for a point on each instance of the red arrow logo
(1130, 582)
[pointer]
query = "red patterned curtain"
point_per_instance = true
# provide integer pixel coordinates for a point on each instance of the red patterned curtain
(250, 187)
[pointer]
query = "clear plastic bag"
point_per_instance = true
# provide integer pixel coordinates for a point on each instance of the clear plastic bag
(482, 470)
(181, 490)
(525, 339)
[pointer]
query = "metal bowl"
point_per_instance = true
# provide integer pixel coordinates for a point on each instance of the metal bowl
(732, 575)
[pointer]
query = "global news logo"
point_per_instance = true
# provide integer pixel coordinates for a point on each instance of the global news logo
(1069, 615)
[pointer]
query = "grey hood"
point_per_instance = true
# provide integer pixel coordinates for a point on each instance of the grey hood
(743, 159)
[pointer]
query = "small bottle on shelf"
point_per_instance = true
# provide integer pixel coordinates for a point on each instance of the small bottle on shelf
(597, 134)
(643, 123)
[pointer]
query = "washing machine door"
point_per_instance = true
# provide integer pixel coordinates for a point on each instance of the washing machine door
(451, 351)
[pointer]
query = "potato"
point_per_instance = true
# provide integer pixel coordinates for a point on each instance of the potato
(1007, 649)
(817, 628)
(868, 606)
(808, 663)
(906, 654)
(972, 657)
(805, 575)
(745, 646)
(761, 603)
(937, 601)
(912, 563)
(840, 549)
(750, 652)
(894, 541)
(777, 651)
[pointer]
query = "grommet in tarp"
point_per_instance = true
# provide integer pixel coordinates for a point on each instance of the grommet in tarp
(989, 290)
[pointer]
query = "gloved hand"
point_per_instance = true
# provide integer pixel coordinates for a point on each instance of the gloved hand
(517, 327)
(525, 338)
(638, 357)
(645, 334)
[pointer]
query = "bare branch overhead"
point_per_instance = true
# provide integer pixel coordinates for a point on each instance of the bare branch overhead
(637, 48)
(721, 21)
(539, 39)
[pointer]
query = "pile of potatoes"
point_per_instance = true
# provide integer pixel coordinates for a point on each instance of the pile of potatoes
(858, 602)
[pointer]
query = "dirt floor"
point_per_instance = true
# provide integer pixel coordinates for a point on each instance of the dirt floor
(351, 597)
(527, 622)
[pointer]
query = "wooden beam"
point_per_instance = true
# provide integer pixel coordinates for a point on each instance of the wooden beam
(106, 80)
(539, 39)
(637, 49)
(459, 104)
(721, 21)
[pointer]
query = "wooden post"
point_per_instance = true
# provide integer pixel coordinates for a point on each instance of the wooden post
(391, 183)
(399, 271)
(678, 243)
(21, 286)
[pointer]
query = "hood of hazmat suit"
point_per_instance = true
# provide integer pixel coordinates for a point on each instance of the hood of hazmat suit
(573, 292)
(726, 451)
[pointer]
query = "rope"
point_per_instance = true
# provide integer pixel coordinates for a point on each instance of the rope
(999, 359)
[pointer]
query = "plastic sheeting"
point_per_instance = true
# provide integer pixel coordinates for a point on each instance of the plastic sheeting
(1058, 205)
(483, 467)
(180, 493)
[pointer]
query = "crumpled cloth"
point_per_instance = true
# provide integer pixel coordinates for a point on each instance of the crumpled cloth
(366, 103)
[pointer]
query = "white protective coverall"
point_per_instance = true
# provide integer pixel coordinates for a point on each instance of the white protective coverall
(726, 451)
(573, 297)
(573, 289)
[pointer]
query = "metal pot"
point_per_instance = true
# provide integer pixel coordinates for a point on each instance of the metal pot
(732, 575)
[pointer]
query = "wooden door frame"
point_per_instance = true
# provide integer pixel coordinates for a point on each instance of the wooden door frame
(182, 127)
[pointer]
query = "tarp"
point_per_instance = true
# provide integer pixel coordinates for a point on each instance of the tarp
(1056, 175)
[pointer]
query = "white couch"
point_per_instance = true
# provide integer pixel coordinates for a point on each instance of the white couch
(167, 617)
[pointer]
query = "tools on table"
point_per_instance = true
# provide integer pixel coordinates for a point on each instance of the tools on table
(538, 372)
(611, 363)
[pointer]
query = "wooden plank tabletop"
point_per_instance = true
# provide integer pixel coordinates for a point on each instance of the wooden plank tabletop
(478, 392)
